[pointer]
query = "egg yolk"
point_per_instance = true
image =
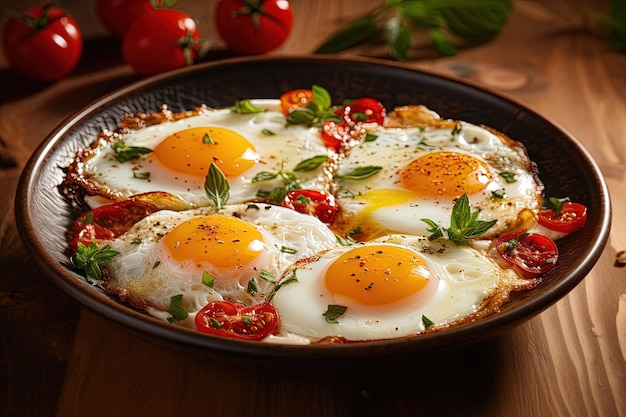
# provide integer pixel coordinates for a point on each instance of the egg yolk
(191, 151)
(224, 242)
(445, 174)
(376, 275)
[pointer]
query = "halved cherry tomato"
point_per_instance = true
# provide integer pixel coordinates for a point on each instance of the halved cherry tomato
(335, 135)
(253, 27)
(531, 254)
(44, 43)
(366, 110)
(236, 320)
(316, 203)
(109, 221)
(570, 218)
(295, 99)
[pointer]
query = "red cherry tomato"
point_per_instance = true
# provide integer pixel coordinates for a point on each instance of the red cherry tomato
(335, 135)
(570, 218)
(295, 99)
(44, 43)
(161, 40)
(531, 254)
(109, 221)
(235, 320)
(366, 110)
(251, 27)
(118, 15)
(316, 203)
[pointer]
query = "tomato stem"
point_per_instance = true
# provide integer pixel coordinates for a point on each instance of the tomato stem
(34, 23)
(255, 9)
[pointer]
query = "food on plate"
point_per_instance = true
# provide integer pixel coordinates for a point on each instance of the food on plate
(236, 254)
(393, 286)
(298, 221)
(250, 145)
(425, 167)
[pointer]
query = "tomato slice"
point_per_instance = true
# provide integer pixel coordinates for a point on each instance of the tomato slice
(109, 221)
(531, 254)
(295, 99)
(316, 203)
(236, 320)
(570, 218)
(335, 135)
(366, 110)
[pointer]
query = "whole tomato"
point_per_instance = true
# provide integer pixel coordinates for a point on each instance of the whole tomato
(43, 43)
(161, 40)
(118, 15)
(252, 27)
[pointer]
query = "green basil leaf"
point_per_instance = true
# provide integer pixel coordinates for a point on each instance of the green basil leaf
(352, 34)
(311, 163)
(333, 312)
(208, 279)
(124, 153)
(441, 43)
(427, 322)
(264, 176)
(360, 173)
(301, 116)
(217, 187)
(398, 38)
(246, 107)
(475, 21)
(176, 308)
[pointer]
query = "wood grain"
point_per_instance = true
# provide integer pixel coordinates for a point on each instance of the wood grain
(570, 360)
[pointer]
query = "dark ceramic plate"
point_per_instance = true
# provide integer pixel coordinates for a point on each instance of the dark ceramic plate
(565, 167)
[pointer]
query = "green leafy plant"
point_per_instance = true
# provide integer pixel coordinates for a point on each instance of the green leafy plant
(464, 224)
(474, 21)
(616, 21)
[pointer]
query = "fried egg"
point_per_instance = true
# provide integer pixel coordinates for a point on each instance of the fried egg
(174, 156)
(235, 254)
(390, 287)
(423, 172)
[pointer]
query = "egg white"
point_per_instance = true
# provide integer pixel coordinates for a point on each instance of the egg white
(145, 276)
(382, 201)
(284, 148)
(463, 279)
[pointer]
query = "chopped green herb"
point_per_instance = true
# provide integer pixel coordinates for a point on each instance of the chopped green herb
(141, 175)
(267, 132)
(509, 177)
(208, 139)
(124, 153)
(246, 320)
(252, 287)
(318, 110)
(246, 107)
(427, 322)
(370, 137)
(156, 264)
(356, 231)
(303, 199)
(286, 249)
(216, 324)
(176, 309)
(290, 280)
(268, 276)
(88, 218)
(264, 176)
(558, 203)
(136, 241)
(89, 258)
(208, 279)
(252, 207)
(498, 193)
(311, 163)
(360, 173)
(333, 312)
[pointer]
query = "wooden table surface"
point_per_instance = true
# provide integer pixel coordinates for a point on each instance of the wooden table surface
(58, 359)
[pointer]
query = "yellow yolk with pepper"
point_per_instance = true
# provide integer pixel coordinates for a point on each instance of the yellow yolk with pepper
(193, 150)
(445, 174)
(224, 242)
(376, 275)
